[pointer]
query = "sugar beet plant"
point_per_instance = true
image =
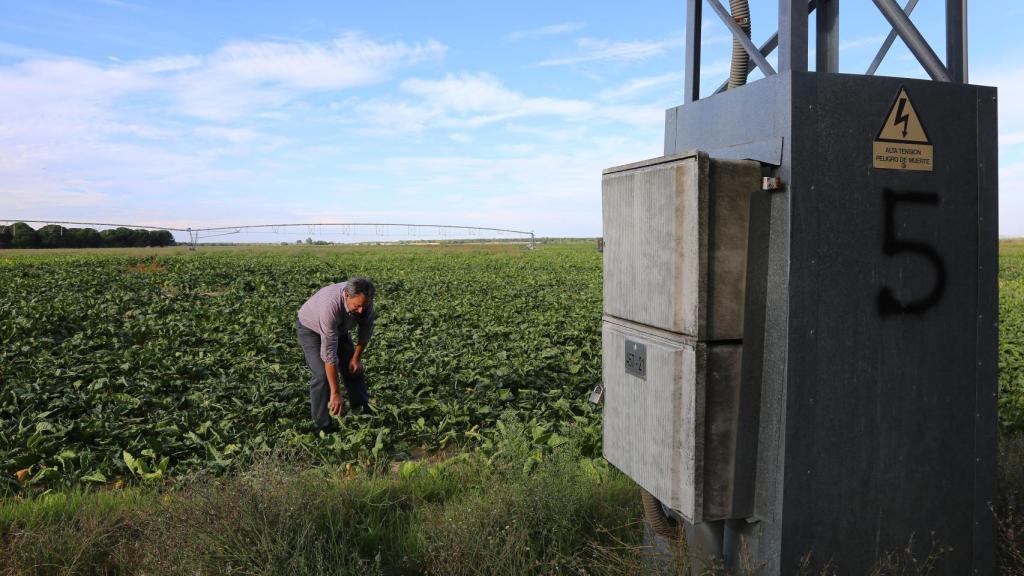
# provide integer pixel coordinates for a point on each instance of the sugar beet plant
(1011, 336)
(125, 368)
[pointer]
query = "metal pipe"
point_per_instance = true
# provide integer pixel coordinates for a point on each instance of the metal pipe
(95, 224)
(691, 83)
(792, 36)
(447, 226)
(737, 33)
(913, 39)
(888, 42)
(827, 32)
(956, 39)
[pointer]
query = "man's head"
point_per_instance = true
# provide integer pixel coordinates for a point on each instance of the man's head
(358, 294)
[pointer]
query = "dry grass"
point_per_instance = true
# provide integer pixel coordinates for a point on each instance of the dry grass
(1009, 509)
(466, 515)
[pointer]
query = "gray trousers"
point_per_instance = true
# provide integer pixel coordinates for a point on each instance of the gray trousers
(319, 389)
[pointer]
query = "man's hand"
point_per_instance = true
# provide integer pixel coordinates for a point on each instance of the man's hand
(355, 366)
(334, 404)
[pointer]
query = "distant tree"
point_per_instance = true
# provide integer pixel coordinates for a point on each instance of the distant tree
(52, 236)
(107, 238)
(298, 241)
(21, 235)
(309, 240)
(88, 238)
(24, 236)
(74, 238)
(116, 237)
(125, 237)
(140, 238)
(161, 238)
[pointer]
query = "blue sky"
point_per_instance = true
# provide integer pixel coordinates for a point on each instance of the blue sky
(466, 113)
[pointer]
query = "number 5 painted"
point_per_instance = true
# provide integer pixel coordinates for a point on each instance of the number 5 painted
(887, 303)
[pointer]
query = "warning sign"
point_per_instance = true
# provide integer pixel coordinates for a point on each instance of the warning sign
(902, 143)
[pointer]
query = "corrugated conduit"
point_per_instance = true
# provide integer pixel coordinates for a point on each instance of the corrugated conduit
(659, 522)
(740, 61)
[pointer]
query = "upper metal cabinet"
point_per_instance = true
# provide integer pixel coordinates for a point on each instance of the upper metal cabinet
(675, 233)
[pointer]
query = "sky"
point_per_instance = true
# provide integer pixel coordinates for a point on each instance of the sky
(491, 114)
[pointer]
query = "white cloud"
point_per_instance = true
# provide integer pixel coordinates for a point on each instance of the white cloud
(239, 79)
(243, 77)
(552, 30)
(866, 41)
(127, 130)
(180, 139)
(1011, 138)
(21, 52)
(639, 86)
(230, 135)
(509, 192)
(720, 68)
(239, 140)
(1009, 80)
(347, 61)
(472, 101)
(24, 199)
(166, 64)
(465, 93)
(55, 108)
(549, 133)
(119, 4)
(1011, 200)
(591, 50)
(553, 188)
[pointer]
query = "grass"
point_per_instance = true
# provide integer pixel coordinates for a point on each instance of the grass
(499, 514)
(471, 514)
(1009, 508)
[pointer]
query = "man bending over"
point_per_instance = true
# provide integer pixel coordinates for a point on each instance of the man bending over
(323, 329)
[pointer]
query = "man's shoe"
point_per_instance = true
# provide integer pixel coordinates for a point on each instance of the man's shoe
(364, 409)
(329, 429)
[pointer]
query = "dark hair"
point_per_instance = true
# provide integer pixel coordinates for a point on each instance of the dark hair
(358, 285)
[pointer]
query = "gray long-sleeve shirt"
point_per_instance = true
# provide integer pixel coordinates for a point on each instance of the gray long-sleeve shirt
(325, 314)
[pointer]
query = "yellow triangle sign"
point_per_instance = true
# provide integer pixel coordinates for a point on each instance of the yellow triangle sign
(902, 143)
(902, 124)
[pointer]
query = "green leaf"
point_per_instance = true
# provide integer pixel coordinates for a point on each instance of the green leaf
(94, 476)
(130, 462)
(378, 444)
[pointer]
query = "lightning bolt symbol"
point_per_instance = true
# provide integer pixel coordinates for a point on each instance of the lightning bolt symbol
(902, 118)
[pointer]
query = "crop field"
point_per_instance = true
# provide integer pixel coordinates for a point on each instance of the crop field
(124, 367)
(1011, 335)
(121, 367)
(127, 368)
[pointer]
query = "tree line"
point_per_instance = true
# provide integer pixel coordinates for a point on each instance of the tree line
(21, 235)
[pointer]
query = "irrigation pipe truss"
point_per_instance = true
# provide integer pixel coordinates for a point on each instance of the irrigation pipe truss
(195, 234)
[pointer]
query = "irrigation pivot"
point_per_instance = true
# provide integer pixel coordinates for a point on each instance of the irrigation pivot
(195, 234)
